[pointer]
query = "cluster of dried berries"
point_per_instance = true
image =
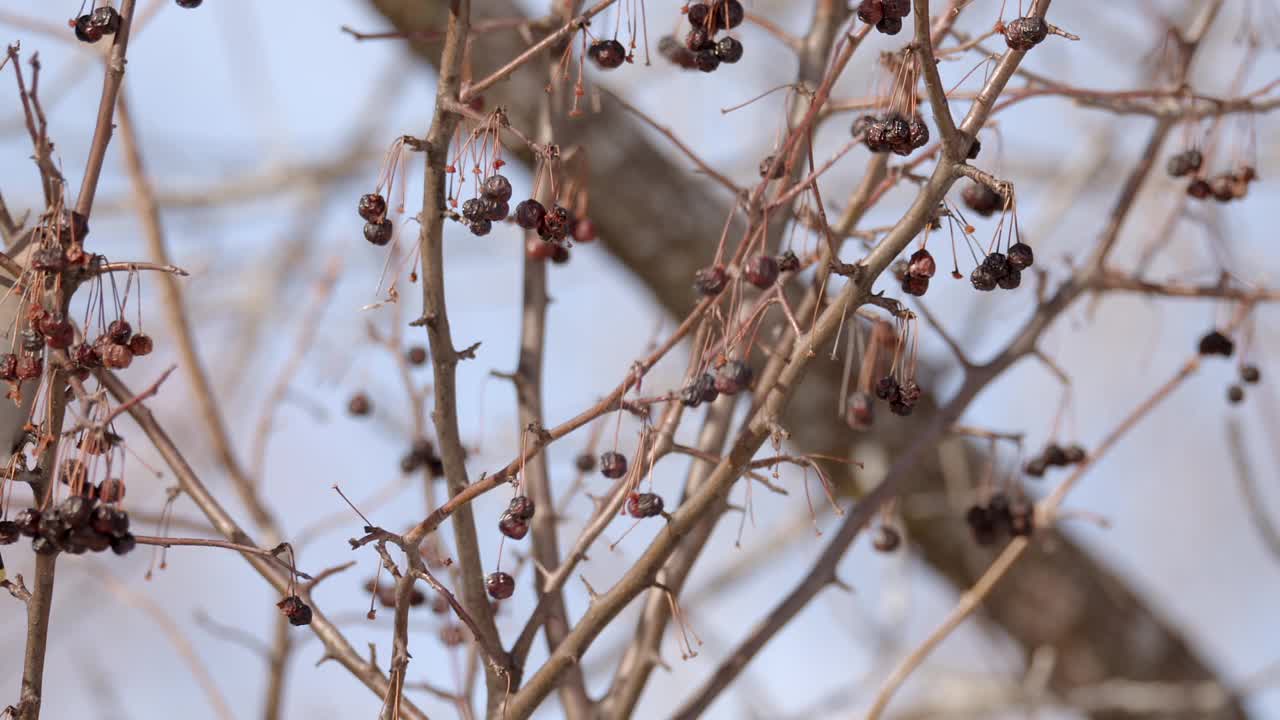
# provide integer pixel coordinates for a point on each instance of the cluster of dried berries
(552, 225)
(514, 522)
(999, 516)
(886, 15)
(500, 585)
(981, 199)
(608, 54)
(921, 267)
(76, 525)
(1250, 375)
(1223, 187)
(644, 505)
(114, 349)
(891, 132)
(298, 612)
(386, 594)
(902, 397)
(701, 49)
(613, 464)
(377, 228)
(422, 455)
(1055, 455)
(1025, 33)
(1215, 343)
(491, 207)
(91, 27)
(1003, 271)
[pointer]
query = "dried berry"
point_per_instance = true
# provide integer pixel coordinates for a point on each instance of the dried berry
(125, 544)
(702, 389)
(733, 377)
(116, 357)
(119, 332)
(496, 210)
(887, 388)
(141, 345)
(379, 232)
(889, 25)
(1184, 163)
(359, 405)
(1020, 256)
(30, 367)
(1250, 373)
(372, 207)
(188, 3)
(698, 40)
(1235, 394)
(871, 11)
(761, 271)
(1215, 343)
(496, 187)
(480, 227)
(500, 585)
(706, 60)
(28, 522)
(75, 511)
(710, 281)
(698, 13)
(513, 526)
(1025, 33)
(727, 14)
(473, 209)
(106, 19)
(110, 521)
(887, 539)
(983, 279)
(8, 367)
(922, 264)
(919, 135)
(644, 505)
(897, 407)
(916, 285)
(9, 532)
(982, 524)
(86, 31)
(613, 465)
(897, 8)
(521, 506)
(58, 333)
(84, 355)
(1199, 189)
(555, 224)
(981, 199)
(1010, 280)
(298, 612)
(729, 50)
(608, 54)
(897, 131)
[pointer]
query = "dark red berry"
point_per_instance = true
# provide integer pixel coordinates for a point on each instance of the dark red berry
(1235, 394)
(702, 389)
(8, 367)
(379, 232)
(529, 214)
(84, 355)
(359, 405)
(706, 60)
(1025, 33)
(727, 14)
(416, 355)
(1199, 189)
(496, 187)
(1073, 454)
(1215, 343)
(919, 134)
(585, 462)
(105, 19)
(86, 31)
(922, 264)
(733, 377)
(44, 546)
(1010, 280)
(480, 227)
(500, 585)
(559, 254)
(58, 333)
(729, 50)
(1250, 373)
(116, 357)
(1222, 189)
(125, 544)
(521, 506)
(189, 3)
(698, 13)
(889, 25)
(372, 207)
(710, 281)
(1055, 455)
(644, 505)
(897, 8)
(119, 332)
(512, 526)
(761, 271)
(1020, 256)
(698, 40)
(538, 249)
(916, 285)
(613, 464)
(608, 54)
(298, 612)
(887, 388)
(141, 345)
(871, 11)
(75, 511)
(473, 209)
(110, 521)
(981, 199)
(555, 224)
(983, 279)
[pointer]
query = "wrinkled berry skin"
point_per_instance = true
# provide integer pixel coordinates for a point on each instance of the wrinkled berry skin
(701, 390)
(372, 207)
(983, 279)
(496, 187)
(1021, 256)
(378, 233)
(706, 60)
(1025, 33)
(981, 199)
(728, 50)
(608, 54)
(499, 585)
(644, 505)
(86, 31)
(522, 507)
(613, 465)
(529, 214)
(297, 611)
(761, 271)
(733, 377)
(513, 526)
(710, 281)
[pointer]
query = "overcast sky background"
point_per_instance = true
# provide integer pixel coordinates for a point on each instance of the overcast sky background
(237, 89)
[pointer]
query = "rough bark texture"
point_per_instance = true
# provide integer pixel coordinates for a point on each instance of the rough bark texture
(1061, 596)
